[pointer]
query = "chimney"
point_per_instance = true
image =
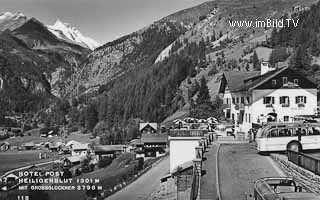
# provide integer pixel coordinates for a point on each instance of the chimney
(266, 67)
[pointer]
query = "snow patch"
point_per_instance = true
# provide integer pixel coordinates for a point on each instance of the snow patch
(164, 53)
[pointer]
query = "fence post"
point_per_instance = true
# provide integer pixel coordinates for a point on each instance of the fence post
(317, 167)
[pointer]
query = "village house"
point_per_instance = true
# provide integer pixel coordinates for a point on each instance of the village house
(150, 145)
(4, 146)
(81, 149)
(111, 151)
(272, 95)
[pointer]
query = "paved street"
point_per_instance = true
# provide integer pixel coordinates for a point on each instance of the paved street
(148, 183)
(208, 180)
(239, 167)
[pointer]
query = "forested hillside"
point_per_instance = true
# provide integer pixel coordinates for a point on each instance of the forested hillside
(304, 40)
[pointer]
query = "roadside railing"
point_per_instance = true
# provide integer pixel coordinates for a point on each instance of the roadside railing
(307, 162)
(194, 186)
(188, 133)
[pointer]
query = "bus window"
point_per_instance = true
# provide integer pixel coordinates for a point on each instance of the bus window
(316, 130)
(273, 133)
(303, 131)
(310, 131)
(285, 132)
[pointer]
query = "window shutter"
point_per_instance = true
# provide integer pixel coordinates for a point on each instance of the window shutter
(264, 100)
(280, 100)
(305, 99)
(272, 100)
(296, 99)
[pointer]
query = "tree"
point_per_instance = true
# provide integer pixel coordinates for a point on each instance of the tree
(220, 34)
(255, 61)
(203, 95)
(278, 54)
(247, 67)
(192, 72)
(301, 59)
(91, 118)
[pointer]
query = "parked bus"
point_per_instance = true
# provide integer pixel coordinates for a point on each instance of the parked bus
(288, 136)
(281, 188)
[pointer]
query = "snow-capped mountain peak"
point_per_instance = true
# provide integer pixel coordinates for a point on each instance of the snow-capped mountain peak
(11, 21)
(66, 32)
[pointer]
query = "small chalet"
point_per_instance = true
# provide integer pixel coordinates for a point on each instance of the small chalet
(151, 145)
(109, 150)
(4, 146)
(81, 149)
(73, 160)
(272, 95)
(28, 145)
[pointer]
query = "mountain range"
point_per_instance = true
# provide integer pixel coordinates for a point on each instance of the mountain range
(39, 62)
(151, 73)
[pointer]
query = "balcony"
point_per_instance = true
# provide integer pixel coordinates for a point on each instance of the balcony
(239, 106)
(301, 105)
(269, 105)
(285, 105)
(188, 133)
(226, 105)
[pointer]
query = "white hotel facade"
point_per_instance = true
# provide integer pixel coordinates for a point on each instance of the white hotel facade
(279, 95)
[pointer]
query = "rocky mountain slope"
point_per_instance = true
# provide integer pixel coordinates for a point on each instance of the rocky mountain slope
(132, 72)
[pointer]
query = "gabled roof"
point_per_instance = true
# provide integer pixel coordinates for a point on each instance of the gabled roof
(235, 79)
(152, 125)
(74, 159)
(256, 82)
(263, 78)
(72, 142)
(109, 148)
(81, 146)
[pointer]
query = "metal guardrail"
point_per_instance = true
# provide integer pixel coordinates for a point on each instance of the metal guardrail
(305, 161)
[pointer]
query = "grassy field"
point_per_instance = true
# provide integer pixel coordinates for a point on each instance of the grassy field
(85, 138)
(15, 159)
(116, 172)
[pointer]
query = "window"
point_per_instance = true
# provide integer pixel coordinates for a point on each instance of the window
(233, 101)
(268, 100)
(248, 100)
(237, 99)
(284, 80)
(296, 81)
(284, 100)
(301, 99)
(285, 118)
(242, 99)
(274, 82)
(249, 118)
(246, 117)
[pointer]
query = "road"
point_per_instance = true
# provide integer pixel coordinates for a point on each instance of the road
(239, 167)
(143, 187)
(208, 188)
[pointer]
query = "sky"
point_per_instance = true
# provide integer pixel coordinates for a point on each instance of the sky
(102, 20)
